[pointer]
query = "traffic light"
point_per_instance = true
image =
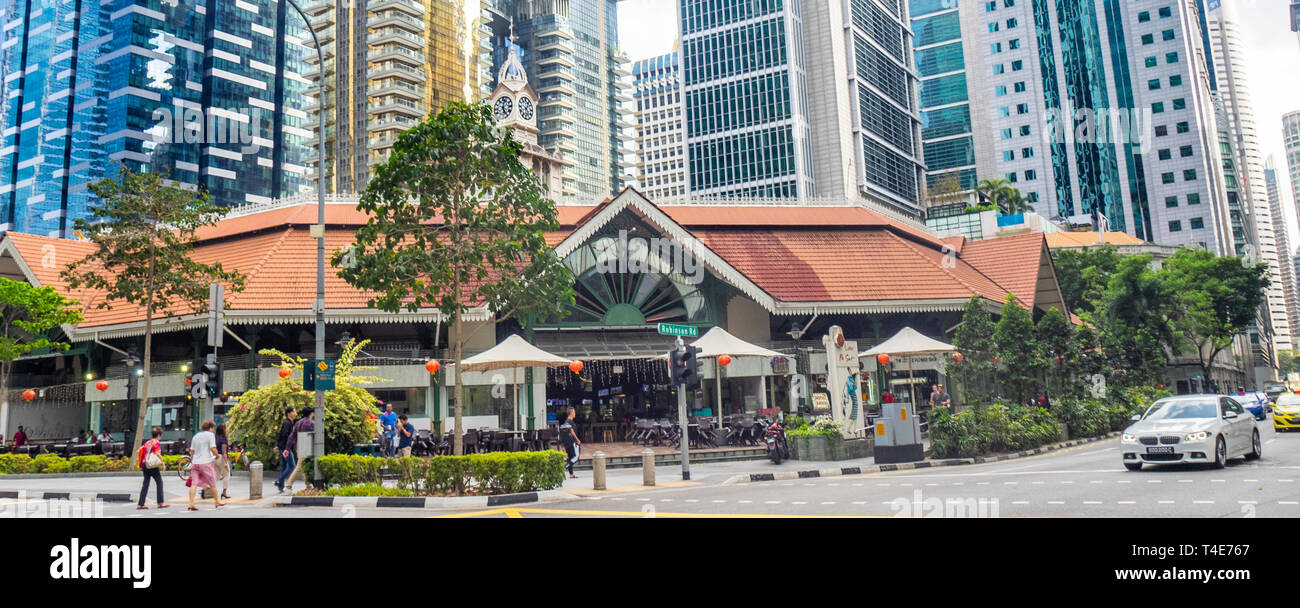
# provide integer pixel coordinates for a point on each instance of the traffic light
(685, 366)
(212, 369)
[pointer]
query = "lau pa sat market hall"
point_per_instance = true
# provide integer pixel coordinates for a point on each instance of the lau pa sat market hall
(777, 275)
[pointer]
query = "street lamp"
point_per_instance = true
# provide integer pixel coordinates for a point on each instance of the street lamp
(318, 441)
(796, 332)
(131, 360)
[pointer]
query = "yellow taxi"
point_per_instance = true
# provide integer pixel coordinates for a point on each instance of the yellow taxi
(1286, 412)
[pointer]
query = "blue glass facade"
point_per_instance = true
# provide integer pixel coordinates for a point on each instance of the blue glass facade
(209, 92)
(945, 111)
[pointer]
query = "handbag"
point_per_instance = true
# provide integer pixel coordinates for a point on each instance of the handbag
(153, 461)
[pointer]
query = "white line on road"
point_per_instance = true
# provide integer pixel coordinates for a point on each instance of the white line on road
(931, 484)
(1155, 481)
(833, 485)
(772, 502)
(1247, 502)
(1096, 481)
(1166, 502)
(857, 485)
(799, 502)
(1008, 483)
(718, 501)
(1218, 481)
(1127, 502)
(981, 483)
(1125, 481)
(1092, 502)
(1202, 502)
(1288, 502)
(859, 502)
(1067, 481)
(1286, 481)
(1250, 480)
(665, 500)
(692, 500)
(1270, 441)
(1020, 502)
(644, 499)
(958, 483)
(1056, 502)
(745, 502)
(828, 502)
(1184, 481)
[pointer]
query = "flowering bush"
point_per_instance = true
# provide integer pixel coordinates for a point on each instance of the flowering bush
(257, 419)
(821, 425)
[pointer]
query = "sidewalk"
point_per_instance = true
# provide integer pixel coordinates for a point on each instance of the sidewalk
(173, 488)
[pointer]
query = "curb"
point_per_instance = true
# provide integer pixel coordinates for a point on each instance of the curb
(437, 502)
(136, 474)
(907, 466)
(43, 495)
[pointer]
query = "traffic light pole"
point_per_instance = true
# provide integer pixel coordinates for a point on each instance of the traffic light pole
(681, 420)
(208, 397)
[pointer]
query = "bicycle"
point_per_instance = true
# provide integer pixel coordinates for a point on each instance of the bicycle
(183, 468)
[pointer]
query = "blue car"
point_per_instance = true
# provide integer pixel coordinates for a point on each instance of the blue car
(1256, 403)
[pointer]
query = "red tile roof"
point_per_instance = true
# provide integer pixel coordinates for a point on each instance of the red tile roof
(1012, 261)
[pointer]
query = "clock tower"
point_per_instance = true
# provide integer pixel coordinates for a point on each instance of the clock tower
(514, 104)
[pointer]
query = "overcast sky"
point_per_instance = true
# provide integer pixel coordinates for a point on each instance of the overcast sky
(649, 27)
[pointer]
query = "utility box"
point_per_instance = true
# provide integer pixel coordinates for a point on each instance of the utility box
(898, 434)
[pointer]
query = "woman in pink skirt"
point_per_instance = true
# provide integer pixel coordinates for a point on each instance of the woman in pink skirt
(203, 453)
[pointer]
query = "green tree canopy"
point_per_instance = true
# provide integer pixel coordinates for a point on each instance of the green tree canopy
(144, 231)
(29, 317)
(457, 221)
(998, 191)
(1054, 337)
(1084, 274)
(1019, 362)
(974, 340)
(1213, 298)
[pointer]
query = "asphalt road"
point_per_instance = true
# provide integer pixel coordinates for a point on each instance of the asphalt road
(1086, 481)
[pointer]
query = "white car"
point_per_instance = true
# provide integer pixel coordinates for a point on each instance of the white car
(1191, 428)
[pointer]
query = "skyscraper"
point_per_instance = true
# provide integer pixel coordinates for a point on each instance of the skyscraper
(211, 92)
(660, 136)
(791, 100)
(956, 127)
(1291, 142)
(1232, 86)
(1286, 268)
(1103, 106)
(388, 64)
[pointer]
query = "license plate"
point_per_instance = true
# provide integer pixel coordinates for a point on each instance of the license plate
(1160, 450)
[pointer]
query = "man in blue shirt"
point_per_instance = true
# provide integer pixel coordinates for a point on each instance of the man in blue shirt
(389, 423)
(405, 436)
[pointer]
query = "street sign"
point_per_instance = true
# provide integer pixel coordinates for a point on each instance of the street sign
(669, 329)
(216, 312)
(318, 374)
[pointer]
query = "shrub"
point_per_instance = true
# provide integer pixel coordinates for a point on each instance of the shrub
(493, 473)
(368, 489)
(114, 465)
(42, 462)
(14, 464)
(87, 464)
(794, 422)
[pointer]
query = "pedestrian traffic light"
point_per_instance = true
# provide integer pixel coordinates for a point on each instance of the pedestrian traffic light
(212, 369)
(677, 365)
(689, 364)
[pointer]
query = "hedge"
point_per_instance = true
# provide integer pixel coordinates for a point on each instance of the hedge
(492, 473)
(988, 429)
(15, 464)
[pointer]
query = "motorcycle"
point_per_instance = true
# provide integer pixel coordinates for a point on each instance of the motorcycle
(774, 437)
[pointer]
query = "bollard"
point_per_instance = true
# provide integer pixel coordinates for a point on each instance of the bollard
(598, 471)
(647, 467)
(255, 480)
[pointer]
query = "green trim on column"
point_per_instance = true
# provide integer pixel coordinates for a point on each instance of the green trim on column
(528, 379)
(436, 389)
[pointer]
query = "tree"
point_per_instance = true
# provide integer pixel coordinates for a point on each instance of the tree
(1133, 322)
(457, 221)
(257, 419)
(944, 187)
(1084, 274)
(1054, 337)
(1001, 193)
(1287, 361)
(27, 315)
(974, 340)
(1017, 350)
(1214, 300)
(144, 231)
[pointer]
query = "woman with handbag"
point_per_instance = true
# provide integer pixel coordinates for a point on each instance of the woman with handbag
(151, 464)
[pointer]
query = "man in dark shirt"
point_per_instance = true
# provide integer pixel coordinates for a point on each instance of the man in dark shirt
(304, 425)
(405, 435)
(287, 460)
(940, 398)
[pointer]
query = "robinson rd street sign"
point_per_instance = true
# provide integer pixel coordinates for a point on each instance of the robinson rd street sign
(688, 331)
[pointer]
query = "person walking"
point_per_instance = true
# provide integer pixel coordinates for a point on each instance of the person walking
(203, 456)
(281, 446)
(388, 422)
(222, 463)
(572, 445)
(940, 398)
(152, 446)
(305, 424)
(406, 432)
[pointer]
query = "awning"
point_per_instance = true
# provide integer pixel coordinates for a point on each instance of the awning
(718, 342)
(906, 342)
(512, 352)
(604, 345)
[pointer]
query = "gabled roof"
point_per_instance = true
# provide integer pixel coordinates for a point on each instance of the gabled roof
(1022, 264)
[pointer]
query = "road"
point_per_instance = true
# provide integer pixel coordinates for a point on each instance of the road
(1085, 481)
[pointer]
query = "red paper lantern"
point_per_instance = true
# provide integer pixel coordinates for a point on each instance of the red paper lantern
(29, 394)
(285, 372)
(576, 367)
(102, 385)
(995, 359)
(724, 360)
(433, 366)
(956, 357)
(882, 359)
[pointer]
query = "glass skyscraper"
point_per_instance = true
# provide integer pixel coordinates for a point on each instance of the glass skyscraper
(209, 91)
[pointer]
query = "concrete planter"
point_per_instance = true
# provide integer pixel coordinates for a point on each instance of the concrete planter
(820, 447)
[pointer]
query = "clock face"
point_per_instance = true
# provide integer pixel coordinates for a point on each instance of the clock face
(526, 108)
(503, 107)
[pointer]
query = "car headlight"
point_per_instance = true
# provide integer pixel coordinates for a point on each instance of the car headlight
(1129, 437)
(1198, 436)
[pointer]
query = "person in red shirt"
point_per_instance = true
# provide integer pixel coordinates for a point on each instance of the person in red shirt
(155, 446)
(20, 438)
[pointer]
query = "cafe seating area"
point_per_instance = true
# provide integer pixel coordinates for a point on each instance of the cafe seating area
(475, 441)
(738, 430)
(110, 449)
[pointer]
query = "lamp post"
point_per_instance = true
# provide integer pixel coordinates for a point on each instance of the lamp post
(132, 359)
(318, 441)
(796, 332)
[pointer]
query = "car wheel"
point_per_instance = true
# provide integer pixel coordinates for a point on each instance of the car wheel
(1220, 453)
(1256, 448)
(1133, 466)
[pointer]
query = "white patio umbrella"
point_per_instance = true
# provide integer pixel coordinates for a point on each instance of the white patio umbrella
(908, 343)
(513, 352)
(717, 342)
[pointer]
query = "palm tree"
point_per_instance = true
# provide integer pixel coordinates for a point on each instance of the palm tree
(999, 192)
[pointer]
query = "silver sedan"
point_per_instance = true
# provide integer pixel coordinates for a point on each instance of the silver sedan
(1191, 428)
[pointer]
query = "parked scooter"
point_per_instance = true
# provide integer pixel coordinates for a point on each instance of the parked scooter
(774, 437)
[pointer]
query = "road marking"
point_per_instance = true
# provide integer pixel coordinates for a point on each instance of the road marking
(1038, 483)
(958, 483)
(1184, 481)
(665, 500)
(1270, 441)
(1247, 502)
(883, 484)
(598, 498)
(1067, 482)
(1092, 502)
(1096, 481)
(1056, 502)
(797, 502)
(1020, 502)
(828, 502)
(719, 501)
(931, 484)
(1250, 480)
(886, 502)
(745, 502)
(905, 485)
(1155, 481)
(1127, 502)
(981, 483)
(1286, 480)
(618, 498)
(1124, 481)
(787, 485)
(692, 500)
(809, 485)
(859, 502)
(1218, 481)
(1008, 483)
(514, 513)
(773, 502)
(1202, 502)
(1166, 502)
(858, 485)
(833, 485)
(1288, 502)
(643, 499)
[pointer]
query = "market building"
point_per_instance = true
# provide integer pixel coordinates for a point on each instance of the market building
(776, 275)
